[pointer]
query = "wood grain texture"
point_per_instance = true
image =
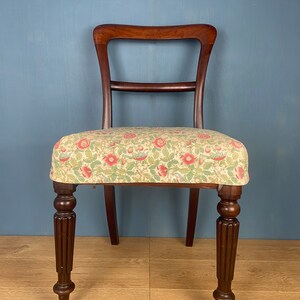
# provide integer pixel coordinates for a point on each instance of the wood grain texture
(144, 269)
(192, 217)
(111, 213)
(177, 294)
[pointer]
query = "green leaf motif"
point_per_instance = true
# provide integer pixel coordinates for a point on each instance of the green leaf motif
(95, 163)
(172, 162)
(151, 160)
(127, 178)
(229, 161)
(207, 165)
(74, 162)
(78, 156)
(155, 154)
(156, 177)
(189, 176)
(130, 166)
(77, 173)
(89, 154)
(235, 155)
(120, 151)
(184, 170)
(165, 152)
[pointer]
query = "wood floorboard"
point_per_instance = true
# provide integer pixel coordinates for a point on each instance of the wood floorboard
(78, 294)
(185, 294)
(148, 269)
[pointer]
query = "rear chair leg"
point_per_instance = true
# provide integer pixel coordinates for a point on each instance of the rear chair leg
(227, 238)
(192, 217)
(64, 230)
(111, 213)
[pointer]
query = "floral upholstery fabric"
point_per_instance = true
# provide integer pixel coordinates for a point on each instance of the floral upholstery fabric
(149, 155)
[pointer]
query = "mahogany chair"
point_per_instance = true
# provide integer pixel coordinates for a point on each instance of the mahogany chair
(193, 158)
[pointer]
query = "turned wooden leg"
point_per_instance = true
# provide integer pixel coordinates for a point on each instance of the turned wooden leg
(111, 213)
(64, 230)
(192, 217)
(227, 237)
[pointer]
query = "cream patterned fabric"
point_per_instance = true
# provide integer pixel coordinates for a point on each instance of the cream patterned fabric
(149, 155)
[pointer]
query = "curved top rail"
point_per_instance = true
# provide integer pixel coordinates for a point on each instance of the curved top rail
(205, 33)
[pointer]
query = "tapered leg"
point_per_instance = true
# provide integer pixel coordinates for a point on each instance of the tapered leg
(192, 217)
(111, 213)
(227, 237)
(64, 230)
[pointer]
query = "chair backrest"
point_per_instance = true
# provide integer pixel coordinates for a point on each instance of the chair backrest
(205, 34)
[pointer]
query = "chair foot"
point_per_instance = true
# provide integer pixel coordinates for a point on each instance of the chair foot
(64, 292)
(227, 238)
(64, 230)
(219, 295)
(192, 217)
(111, 213)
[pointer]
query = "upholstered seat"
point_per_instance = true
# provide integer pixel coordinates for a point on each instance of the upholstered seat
(150, 155)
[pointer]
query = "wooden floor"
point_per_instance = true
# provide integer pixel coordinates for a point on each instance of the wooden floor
(148, 268)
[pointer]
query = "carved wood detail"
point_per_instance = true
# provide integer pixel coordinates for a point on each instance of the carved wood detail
(227, 237)
(64, 231)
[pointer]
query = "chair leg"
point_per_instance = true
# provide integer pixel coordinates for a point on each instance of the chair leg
(192, 217)
(64, 230)
(227, 238)
(111, 213)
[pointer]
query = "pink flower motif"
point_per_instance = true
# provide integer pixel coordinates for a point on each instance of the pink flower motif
(112, 144)
(207, 149)
(201, 160)
(140, 158)
(188, 158)
(159, 142)
(64, 158)
(111, 159)
(83, 143)
(129, 135)
(162, 170)
(239, 172)
(130, 150)
(218, 158)
(236, 144)
(86, 172)
(203, 136)
(189, 143)
(57, 145)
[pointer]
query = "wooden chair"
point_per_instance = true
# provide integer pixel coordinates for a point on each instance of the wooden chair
(193, 158)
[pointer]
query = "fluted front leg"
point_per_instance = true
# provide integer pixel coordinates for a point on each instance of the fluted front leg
(64, 230)
(227, 237)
